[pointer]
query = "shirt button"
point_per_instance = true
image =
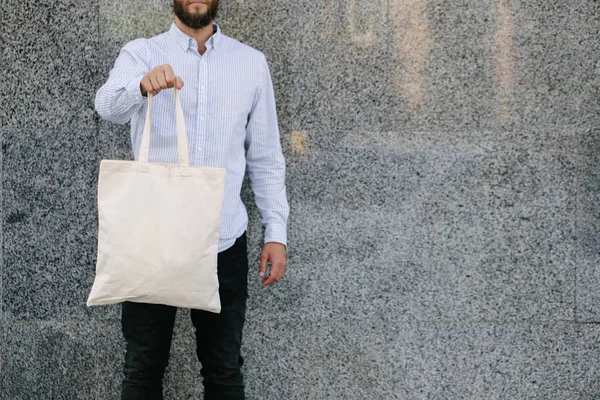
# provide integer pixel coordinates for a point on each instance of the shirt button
(199, 149)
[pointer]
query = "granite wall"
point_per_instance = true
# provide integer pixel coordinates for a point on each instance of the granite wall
(443, 174)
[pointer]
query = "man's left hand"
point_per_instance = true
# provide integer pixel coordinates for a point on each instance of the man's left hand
(274, 253)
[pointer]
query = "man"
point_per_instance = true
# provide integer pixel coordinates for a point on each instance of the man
(229, 106)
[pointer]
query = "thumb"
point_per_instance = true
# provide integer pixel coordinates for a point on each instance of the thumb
(178, 83)
(262, 268)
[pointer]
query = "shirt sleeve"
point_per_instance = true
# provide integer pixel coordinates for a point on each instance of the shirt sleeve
(120, 97)
(266, 164)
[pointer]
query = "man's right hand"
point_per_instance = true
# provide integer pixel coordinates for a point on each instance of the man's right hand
(161, 77)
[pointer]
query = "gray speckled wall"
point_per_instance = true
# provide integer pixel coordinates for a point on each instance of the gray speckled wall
(443, 174)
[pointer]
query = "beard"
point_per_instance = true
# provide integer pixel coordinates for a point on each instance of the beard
(196, 20)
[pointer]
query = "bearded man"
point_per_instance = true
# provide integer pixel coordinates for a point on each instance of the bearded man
(229, 106)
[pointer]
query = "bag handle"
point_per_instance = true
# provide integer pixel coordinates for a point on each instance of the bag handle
(182, 139)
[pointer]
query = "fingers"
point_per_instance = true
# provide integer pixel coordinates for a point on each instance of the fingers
(275, 254)
(278, 264)
(169, 77)
(163, 83)
(146, 86)
(159, 78)
(155, 85)
(262, 267)
(178, 83)
(277, 270)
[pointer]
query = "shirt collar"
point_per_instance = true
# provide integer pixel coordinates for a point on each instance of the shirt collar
(186, 42)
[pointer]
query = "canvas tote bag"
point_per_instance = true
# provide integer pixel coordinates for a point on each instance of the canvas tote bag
(159, 228)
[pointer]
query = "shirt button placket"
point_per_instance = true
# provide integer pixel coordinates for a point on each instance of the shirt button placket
(203, 96)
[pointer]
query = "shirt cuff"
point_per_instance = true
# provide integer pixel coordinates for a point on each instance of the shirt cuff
(276, 234)
(134, 91)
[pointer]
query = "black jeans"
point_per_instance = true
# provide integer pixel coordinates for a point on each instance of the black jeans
(148, 329)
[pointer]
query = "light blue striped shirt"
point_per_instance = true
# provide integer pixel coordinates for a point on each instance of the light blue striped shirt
(230, 115)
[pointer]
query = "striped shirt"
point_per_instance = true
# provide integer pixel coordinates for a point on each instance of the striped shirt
(230, 115)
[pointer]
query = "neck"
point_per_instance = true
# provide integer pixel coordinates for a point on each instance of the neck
(201, 35)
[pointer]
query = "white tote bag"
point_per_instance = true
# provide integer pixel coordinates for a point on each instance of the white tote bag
(159, 229)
